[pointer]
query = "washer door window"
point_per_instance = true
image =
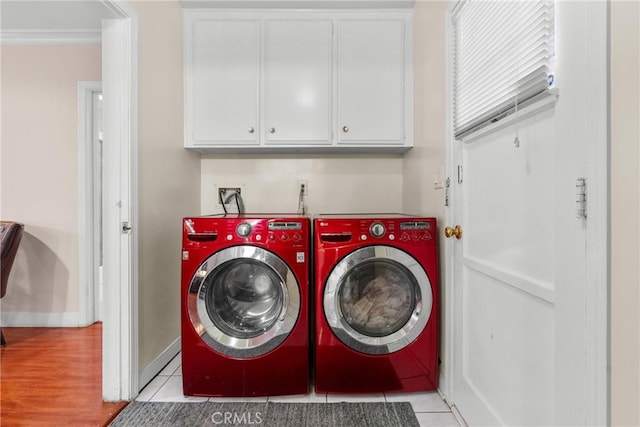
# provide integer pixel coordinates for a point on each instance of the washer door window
(243, 301)
(377, 299)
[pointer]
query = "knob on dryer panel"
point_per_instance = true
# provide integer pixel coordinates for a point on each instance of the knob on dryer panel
(377, 229)
(243, 229)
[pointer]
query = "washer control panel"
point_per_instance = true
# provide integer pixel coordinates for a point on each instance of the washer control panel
(290, 232)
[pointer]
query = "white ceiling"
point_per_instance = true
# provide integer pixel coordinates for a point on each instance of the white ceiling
(53, 15)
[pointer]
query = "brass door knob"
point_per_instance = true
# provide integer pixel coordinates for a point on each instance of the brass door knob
(453, 231)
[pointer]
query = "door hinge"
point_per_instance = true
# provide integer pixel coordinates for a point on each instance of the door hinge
(581, 198)
(459, 174)
(446, 192)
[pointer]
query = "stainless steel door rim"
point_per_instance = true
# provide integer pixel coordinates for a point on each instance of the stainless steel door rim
(243, 301)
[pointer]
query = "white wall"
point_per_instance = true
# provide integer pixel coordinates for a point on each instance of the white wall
(428, 155)
(169, 176)
(39, 177)
(336, 184)
(625, 213)
(421, 163)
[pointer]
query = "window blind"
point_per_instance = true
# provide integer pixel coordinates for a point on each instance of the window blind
(503, 55)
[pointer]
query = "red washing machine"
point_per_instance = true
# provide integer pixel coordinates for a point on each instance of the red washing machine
(245, 311)
(376, 303)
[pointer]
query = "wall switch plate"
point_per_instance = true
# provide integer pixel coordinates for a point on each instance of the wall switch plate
(438, 179)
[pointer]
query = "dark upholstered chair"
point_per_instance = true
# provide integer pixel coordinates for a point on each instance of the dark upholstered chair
(10, 235)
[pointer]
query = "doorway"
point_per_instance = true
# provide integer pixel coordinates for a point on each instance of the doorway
(90, 162)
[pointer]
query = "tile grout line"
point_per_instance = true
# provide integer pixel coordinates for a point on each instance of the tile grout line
(158, 389)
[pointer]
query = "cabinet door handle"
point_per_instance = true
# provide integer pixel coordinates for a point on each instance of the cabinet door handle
(272, 130)
(345, 129)
(251, 129)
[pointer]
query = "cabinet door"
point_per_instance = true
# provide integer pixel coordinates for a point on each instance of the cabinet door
(371, 82)
(298, 82)
(224, 91)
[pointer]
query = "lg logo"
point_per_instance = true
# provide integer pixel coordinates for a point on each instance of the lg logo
(233, 418)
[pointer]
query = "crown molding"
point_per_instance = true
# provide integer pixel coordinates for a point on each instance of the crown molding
(50, 37)
(298, 4)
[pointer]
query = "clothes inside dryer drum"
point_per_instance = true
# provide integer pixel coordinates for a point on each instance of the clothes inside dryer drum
(245, 299)
(377, 297)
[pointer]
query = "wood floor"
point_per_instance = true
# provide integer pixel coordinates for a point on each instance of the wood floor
(53, 377)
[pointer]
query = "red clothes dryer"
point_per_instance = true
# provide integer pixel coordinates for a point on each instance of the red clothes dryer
(245, 311)
(376, 317)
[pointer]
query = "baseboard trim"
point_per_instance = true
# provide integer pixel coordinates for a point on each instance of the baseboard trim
(156, 366)
(45, 320)
(458, 416)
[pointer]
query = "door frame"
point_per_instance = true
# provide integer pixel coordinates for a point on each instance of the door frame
(86, 203)
(598, 290)
(597, 294)
(120, 371)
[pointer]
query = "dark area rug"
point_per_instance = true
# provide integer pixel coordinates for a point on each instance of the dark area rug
(245, 414)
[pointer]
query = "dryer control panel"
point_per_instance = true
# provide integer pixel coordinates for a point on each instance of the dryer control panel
(376, 230)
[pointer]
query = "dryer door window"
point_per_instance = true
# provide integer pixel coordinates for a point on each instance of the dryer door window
(243, 301)
(244, 298)
(377, 299)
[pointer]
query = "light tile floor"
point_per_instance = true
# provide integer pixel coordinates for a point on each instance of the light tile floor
(429, 407)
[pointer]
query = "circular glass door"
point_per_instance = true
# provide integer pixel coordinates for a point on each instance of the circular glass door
(377, 299)
(243, 301)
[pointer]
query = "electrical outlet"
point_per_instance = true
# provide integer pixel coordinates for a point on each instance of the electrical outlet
(303, 186)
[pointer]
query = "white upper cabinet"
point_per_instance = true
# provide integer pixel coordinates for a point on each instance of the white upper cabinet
(371, 82)
(280, 80)
(222, 105)
(298, 82)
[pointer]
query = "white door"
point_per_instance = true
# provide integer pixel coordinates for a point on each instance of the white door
(298, 82)
(224, 66)
(120, 327)
(520, 289)
(371, 81)
(505, 274)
